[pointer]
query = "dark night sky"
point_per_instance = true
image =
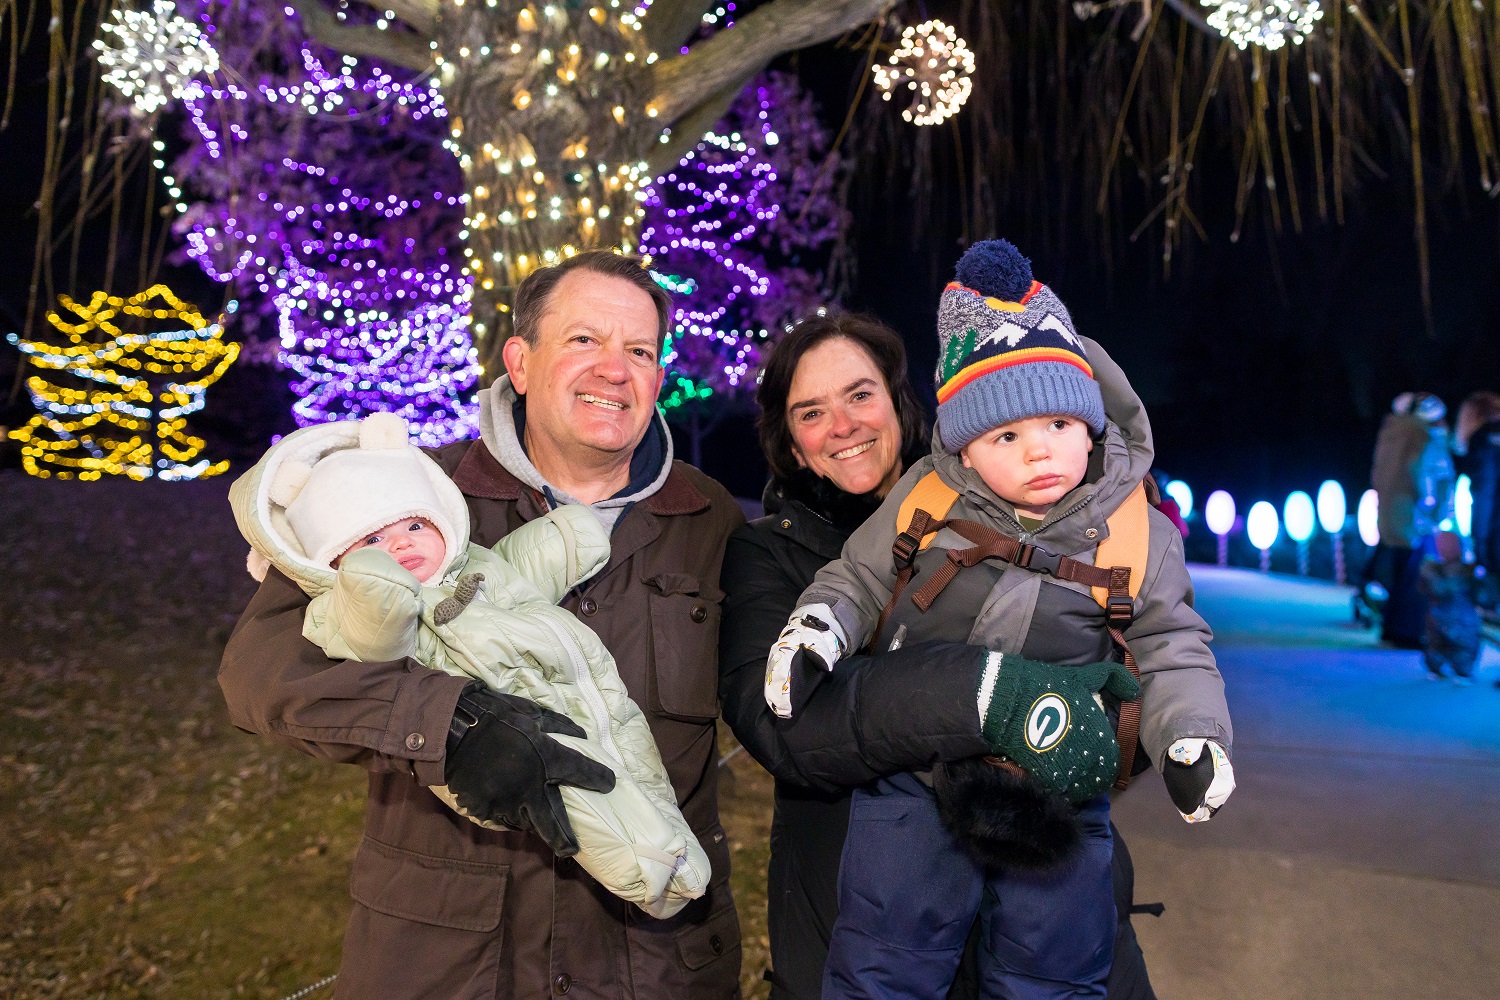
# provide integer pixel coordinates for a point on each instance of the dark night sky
(1266, 364)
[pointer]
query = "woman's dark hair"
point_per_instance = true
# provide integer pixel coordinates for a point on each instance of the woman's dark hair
(879, 341)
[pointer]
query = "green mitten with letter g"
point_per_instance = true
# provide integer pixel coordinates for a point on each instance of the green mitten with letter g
(1048, 719)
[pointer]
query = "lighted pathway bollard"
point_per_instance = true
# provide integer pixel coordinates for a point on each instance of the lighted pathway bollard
(1297, 514)
(1368, 518)
(1218, 513)
(1262, 528)
(1332, 512)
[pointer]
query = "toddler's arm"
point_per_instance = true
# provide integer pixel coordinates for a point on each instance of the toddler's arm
(372, 611)
(557, 552)
(1185, 724)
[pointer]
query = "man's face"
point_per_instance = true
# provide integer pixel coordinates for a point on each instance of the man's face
(592, 379)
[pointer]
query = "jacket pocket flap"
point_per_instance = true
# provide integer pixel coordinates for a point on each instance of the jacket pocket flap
(717, 937)
(464, 895)
(685, 652)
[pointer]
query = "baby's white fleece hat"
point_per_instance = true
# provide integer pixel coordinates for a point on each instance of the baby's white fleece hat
(351, 493)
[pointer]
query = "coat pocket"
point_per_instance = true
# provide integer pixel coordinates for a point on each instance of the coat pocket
(464, 895)
(685, 647)
(718, 937)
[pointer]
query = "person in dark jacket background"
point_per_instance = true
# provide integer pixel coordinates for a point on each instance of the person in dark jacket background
(839, 423)
(1476, 447)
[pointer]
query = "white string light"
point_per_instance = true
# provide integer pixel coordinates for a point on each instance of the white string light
(154, 55)
(1267, 23)
(935, 65)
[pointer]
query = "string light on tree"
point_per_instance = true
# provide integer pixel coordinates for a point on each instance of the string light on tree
(1267, 23)
(935, 66)
(119, 406)
(154, 54)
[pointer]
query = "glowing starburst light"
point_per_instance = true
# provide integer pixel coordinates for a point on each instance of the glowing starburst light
(935, 66)
(1267, 23)
(154, 54)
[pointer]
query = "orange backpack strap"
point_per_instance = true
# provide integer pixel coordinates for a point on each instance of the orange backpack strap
(918, 521)
(1125, 552)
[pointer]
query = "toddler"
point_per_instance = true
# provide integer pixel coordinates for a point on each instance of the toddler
(1027, 531)
(374, 532)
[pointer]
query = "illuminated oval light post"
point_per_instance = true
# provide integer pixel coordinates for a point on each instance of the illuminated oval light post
(1262, 528)
(1332, 512)
(1297, 514)
(1218, 512)
(1183, 495)
(1463, 505)
(1368, 517)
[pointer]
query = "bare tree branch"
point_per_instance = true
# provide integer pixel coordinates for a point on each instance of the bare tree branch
(670, 23)
(392, 47)
(1192, 16)
(687, 132)
(421, 15)
(780, 26)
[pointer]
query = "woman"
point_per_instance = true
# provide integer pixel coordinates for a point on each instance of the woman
(839, 423)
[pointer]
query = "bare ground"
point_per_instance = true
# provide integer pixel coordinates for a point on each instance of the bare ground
(148, 848)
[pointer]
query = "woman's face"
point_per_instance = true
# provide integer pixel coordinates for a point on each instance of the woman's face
(843, 422)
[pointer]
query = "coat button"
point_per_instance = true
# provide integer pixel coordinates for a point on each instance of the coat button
(699, 613)
(716, 945)
(786, 524)
(415, 741)
(562, 984)
(588, 606)
(1091, 533)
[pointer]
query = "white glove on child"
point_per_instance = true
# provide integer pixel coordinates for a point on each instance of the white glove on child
(814, 628)
(1199, 783)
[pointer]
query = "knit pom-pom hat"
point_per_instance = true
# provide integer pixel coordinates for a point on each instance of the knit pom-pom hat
(1007, 350)
(349, 494)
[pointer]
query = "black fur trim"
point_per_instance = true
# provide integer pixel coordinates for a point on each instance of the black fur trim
(1004, 820)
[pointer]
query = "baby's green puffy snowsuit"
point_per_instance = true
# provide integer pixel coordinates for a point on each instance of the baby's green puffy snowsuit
(511, 636)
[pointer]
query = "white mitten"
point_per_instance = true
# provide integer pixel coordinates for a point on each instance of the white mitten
(814, 628)
(1198, 782)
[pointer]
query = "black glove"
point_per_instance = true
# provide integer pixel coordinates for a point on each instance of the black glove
(503, 767)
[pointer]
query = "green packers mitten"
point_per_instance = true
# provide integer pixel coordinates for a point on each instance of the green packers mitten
(1047, 719)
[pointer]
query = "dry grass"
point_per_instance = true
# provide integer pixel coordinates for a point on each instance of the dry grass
(149, 848)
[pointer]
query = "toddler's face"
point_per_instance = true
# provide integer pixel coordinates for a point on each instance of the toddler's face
(414, 543)
(1032, 463)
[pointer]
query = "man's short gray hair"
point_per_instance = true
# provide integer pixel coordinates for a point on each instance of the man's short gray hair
(535, 292)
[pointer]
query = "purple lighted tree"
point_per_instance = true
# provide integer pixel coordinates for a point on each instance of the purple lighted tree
(737, 231)
(317, 187)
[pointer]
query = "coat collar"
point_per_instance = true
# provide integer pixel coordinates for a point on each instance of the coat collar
(480, 474)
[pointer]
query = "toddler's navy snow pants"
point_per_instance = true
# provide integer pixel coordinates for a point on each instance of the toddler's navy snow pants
(909, 892)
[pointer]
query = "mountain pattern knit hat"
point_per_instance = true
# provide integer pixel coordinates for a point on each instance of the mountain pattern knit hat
(1007, 350)
(351, 493)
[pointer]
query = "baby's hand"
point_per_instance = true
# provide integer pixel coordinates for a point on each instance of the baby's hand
(813, 628)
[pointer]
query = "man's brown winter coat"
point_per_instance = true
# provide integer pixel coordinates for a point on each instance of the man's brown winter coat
(445, 909)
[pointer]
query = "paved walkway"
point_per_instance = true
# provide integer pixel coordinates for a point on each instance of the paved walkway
(1360, 854)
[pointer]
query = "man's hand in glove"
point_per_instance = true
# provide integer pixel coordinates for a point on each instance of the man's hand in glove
(503, 767)
(813, 628)
(1199, 778)
(1049, 720)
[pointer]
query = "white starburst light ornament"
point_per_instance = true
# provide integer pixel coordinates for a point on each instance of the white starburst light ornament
(154, 54)
(1267, 23)
(934, 66)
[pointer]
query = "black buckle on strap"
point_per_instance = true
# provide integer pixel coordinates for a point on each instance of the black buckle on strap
(905, 549)
(1034, 557)
(1119, 610)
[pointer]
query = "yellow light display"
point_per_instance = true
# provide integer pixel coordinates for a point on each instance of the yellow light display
(116, 403)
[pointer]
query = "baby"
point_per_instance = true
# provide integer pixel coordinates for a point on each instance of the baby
(374, 532)
(1027, 531)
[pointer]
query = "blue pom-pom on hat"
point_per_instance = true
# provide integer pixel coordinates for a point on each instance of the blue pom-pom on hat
(996, 268)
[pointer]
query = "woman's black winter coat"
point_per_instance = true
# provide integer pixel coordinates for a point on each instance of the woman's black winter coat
(874, 716)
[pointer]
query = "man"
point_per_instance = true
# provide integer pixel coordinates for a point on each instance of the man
(444, 908)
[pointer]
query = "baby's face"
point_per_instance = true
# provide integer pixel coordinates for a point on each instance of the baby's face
(414, 543)
(1032, 463)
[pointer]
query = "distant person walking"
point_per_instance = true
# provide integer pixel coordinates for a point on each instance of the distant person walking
(1476, 447)
(1413, 474)
(1451, 634)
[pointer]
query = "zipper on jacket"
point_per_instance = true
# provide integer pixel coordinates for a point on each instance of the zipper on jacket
(590, 690)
